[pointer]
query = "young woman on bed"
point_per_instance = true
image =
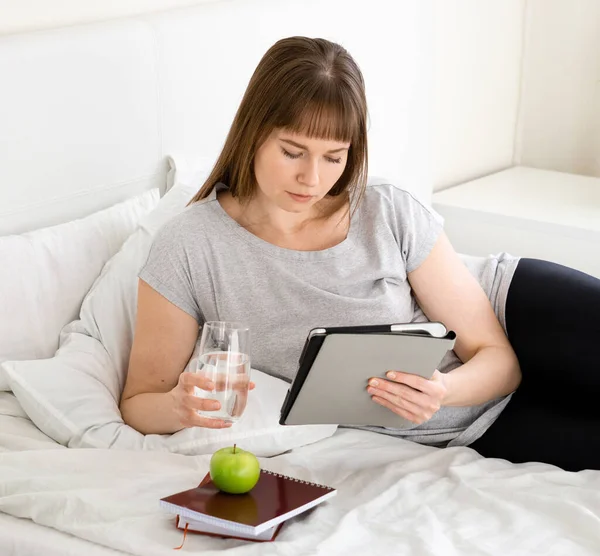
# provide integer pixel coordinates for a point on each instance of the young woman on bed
(285, 236)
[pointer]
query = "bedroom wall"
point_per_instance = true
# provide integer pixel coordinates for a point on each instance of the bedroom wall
(442, 75)
(560, 110)
(32, 15)
(478, 50)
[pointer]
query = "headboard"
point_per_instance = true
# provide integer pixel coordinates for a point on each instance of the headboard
(89, 113)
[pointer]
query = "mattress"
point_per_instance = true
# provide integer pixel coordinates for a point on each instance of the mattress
(394, 497)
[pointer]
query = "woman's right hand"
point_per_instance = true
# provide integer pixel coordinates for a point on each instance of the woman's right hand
(158, 398)
(186, 403)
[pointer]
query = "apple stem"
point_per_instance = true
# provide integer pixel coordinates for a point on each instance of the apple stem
(234, 448)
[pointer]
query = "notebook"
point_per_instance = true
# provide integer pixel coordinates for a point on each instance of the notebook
(275, 499)
(189, 525)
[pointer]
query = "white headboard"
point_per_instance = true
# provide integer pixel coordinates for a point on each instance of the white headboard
(89, 113)
(80, 128)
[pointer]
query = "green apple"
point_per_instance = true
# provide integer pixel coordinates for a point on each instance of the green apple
(233, 470)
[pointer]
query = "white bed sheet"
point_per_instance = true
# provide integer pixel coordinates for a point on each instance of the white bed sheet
(17, 432)
(394, 497)
(23, 537)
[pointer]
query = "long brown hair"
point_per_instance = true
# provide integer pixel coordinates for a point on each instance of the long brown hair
(307, 86)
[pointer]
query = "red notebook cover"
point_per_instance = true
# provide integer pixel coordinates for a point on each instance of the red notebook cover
(274, 499)
(179, 524)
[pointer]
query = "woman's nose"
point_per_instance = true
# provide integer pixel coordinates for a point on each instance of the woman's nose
(310, 173)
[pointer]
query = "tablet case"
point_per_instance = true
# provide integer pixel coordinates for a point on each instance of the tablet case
(336, 364)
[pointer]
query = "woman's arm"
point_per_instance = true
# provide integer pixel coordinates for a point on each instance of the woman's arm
(158, 398)
(448, 292)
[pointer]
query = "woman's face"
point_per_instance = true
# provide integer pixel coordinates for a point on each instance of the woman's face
(295, 172)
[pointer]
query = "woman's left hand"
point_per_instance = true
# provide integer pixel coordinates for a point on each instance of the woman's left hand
(411, 396)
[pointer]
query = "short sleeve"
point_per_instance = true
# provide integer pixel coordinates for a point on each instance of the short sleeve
(167, 270)
(419, 227)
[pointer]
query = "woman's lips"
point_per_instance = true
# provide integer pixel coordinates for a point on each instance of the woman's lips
(299, 198)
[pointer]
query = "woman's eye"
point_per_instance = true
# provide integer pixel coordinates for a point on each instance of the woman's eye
(291, 155)
(294, 156)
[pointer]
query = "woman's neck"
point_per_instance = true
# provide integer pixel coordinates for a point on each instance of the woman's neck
(259, 214)
(324, 226)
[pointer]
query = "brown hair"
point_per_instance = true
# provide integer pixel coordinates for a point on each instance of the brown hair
(308, 86)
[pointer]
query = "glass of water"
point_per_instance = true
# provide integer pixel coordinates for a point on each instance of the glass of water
(223, 357)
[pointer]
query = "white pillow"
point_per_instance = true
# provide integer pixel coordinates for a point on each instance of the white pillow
(73, 397)
(183, 170)
(46, 273)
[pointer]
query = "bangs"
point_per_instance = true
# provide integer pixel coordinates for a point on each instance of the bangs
(321, 116)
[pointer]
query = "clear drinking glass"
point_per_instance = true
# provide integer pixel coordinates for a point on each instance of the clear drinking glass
(223, 356)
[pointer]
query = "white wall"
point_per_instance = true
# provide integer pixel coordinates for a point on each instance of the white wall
(478, 49)
(453, 67)
(389, 35)
(482, 51)
(559, 126)
(29, 15)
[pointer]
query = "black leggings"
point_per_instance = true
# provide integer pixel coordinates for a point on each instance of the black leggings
(553, 324)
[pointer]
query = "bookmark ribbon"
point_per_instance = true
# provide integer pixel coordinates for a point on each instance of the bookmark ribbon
(184, 536)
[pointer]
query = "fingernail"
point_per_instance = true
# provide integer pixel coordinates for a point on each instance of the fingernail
(371, 390)
(391, 374)
(210, 385)
(374, 382)
(227, 425)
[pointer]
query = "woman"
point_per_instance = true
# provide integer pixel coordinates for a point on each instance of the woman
(285, 236)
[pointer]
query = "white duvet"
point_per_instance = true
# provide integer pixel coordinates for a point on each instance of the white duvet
(394, 498)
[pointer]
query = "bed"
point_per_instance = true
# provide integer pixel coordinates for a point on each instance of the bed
(394, 498)
(103, 127)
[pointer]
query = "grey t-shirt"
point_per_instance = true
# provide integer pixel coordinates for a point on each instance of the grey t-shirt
(212, 268)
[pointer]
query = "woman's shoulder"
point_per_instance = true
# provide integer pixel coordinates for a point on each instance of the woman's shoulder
(414, 226)
(387, 198)
(386, 190)
(188, 225)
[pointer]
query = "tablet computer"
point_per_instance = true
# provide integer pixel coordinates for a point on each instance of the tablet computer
(336, 363)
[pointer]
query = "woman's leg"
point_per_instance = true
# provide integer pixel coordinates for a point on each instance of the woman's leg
(553, 324)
